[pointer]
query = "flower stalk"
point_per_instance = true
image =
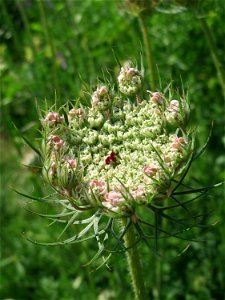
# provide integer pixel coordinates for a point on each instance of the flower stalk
(148, 50)
(50, 42)
(134, 264)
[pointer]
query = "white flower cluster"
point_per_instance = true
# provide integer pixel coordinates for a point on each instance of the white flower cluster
(118, 153)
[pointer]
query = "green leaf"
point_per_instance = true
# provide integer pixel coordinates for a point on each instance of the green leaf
(183, 176)
(55, 217)
(68, 223)
(45, 200)
(142, 236)
(200, 190)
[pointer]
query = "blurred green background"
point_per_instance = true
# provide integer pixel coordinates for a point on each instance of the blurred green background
(59, 49)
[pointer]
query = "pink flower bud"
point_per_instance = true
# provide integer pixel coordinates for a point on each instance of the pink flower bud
(72, 163)
(178, 143)
(110, 206)
(98, 185)
(174, 106)
(150, 170)
(139, 193)
(120, 77)
(130, 80)
(114, 198)
(53, 118)
(102, 90)
(76, 112)
(131, 71)
(156, 98)
(56, 141)
(101, 94)
(95, 99)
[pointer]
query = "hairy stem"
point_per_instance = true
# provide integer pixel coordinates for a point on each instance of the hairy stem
(134, 263)
(213, 50)
(157, 294)
(163, 223)
(148, 50)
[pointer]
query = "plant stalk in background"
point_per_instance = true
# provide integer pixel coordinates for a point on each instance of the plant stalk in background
(50, 41)
(142, 10)
(148, 50)
(214, 53)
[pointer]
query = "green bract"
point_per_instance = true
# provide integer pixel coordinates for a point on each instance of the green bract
(118, 153)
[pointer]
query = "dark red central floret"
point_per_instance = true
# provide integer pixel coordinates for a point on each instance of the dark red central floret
(111, 158)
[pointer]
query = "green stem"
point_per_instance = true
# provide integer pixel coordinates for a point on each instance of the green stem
(134, 263)
(157, 294)
(148, 50)
(15, 36)
(161, 222)
(23, 14)
(213, 50)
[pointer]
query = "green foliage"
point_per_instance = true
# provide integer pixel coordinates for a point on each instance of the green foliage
(56, 49)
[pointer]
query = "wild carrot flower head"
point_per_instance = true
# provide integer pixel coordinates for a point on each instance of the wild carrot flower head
(117, 154)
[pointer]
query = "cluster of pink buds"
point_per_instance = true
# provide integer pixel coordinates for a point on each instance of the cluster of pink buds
(98, 95)
(128, 73)
(178, 144)
(150, 170)
(172, 113)
(174, 106)
(71, 164)
(61, 171)
(131, 72)
(98, 186)
(130, 80)
(53, 118)
(113, 200)
(177, 112)
(76, 112)
(76, 117)
(139, 193)
(156, 98)
(56, 141)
